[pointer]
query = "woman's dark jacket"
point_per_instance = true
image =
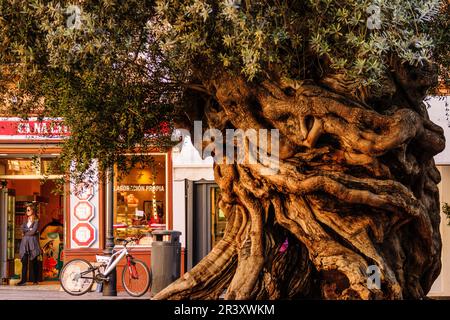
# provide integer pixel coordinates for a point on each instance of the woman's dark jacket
(30, 242)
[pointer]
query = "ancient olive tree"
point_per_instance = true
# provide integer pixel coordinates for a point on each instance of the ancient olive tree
(343, 82)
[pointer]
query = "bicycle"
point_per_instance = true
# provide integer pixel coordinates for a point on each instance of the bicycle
(78, 276)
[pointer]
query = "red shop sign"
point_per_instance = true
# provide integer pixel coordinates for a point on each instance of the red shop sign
(33, 128)
(14, 128)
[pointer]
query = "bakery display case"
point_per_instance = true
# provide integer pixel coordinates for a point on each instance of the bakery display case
(130, 221)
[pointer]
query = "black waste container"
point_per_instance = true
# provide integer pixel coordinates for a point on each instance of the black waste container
(165, 260)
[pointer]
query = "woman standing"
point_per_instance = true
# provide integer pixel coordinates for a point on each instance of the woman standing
(29, 247)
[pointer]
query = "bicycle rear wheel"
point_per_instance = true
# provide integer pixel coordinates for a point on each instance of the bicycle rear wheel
(136, 282)
(77, 277)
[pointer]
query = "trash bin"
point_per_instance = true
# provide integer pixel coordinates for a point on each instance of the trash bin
(165, 259)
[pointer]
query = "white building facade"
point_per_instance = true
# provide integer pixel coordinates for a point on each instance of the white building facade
(439, 114)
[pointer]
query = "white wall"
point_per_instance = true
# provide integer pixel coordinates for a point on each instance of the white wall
(441, 286)
(179, 210)
(437, 111)
(439, 114)
(93, 201)
(94, 222)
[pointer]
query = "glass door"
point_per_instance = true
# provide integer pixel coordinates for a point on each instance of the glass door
(10, 220)
(7, 216)
(3, 237)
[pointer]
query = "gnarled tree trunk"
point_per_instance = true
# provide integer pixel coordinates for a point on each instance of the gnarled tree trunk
(356, 186)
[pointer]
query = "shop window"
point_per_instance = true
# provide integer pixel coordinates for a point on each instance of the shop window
(28, 166)
(17, 167)
(140, 204)
(49, 167)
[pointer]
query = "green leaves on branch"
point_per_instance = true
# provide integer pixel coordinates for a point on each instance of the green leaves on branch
(300, 39)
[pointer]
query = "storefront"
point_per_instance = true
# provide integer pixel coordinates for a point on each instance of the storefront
(72, 221)
(140, 199)
(26, 152)
(142, 203)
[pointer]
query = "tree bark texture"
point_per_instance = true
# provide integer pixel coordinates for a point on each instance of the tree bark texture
(356, 186)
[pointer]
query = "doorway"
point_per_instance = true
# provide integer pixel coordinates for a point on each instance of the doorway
(205, 220)
(21, 186)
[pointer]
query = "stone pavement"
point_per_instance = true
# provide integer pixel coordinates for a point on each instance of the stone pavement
(54, 292)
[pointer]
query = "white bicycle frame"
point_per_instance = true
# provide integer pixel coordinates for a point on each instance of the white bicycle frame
(112, 260)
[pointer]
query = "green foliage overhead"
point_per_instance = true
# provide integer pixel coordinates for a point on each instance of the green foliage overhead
(93, 75)
(302, 39)
(114, 69)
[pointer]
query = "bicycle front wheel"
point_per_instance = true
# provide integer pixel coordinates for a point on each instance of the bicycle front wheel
(136, 278)
(77, 277)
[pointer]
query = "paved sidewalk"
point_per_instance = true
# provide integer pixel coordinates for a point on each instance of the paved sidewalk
(54, 292)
